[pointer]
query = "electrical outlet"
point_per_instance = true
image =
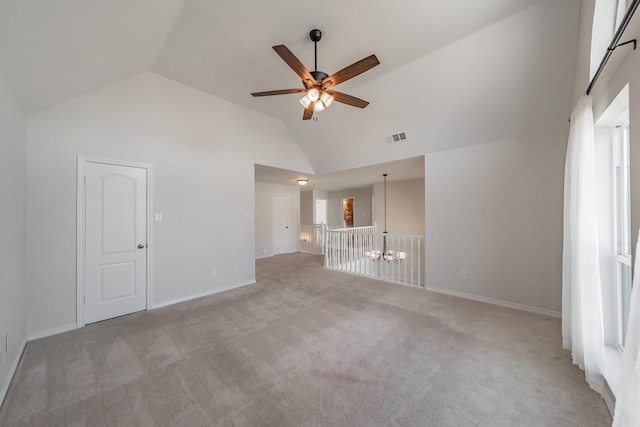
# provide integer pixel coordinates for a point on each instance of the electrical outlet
(235, 269)
(464, 275)
(214, 272)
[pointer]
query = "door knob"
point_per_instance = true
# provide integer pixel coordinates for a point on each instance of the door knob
(140, 246)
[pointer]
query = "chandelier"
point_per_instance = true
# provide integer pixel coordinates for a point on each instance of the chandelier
(385, 254)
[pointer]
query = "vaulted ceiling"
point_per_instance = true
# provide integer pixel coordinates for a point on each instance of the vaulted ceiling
(503, 67)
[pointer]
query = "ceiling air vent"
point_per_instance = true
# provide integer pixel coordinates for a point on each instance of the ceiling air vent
(396, 138)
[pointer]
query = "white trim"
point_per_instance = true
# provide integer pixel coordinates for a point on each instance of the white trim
(521, 307)
(12, 371)
(609, 398)
(80, 201)
(204, 294)
(50, 332)
(613, 368)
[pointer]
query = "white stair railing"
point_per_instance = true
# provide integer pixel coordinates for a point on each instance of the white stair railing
(312, 238)
(348, 250)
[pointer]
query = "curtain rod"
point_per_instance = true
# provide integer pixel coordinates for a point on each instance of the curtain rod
(614, 43)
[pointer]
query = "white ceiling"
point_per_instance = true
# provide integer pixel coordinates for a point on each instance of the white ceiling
(398, 170)
(505, 67)
(53, 51)
(225, 49)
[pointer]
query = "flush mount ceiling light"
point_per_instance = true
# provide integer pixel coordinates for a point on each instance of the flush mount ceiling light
(317, 84)
(302, 182)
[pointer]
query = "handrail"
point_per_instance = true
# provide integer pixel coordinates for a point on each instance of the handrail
(415, 236)
(368, 228)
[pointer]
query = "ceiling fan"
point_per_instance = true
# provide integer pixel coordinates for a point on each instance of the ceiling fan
(318, 84)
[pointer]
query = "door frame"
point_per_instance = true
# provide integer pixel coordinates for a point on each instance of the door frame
(80, 229)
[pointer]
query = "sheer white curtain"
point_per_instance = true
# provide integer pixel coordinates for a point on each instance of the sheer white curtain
(628, 400)
(582, 329)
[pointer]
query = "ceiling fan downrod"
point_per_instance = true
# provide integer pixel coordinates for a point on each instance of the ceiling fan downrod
(315, 36)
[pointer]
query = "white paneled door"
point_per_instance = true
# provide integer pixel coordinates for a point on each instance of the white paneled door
(281, 229)
(115, 241)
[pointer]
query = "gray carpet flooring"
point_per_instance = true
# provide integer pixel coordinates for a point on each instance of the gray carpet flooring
(303, 347)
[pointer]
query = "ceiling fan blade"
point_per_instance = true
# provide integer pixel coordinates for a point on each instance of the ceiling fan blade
(278, 92)
(308, 113)
(295, 64)
(351, 71)
(347, 99)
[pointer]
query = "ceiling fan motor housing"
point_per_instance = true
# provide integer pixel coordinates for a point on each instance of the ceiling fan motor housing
(319, 75)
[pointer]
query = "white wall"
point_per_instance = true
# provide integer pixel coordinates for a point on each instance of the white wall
(264, 216)
(12, 234)
(495, 210)
(362, 206)
(203, 150)
(307, 207)
(510, 78)
(405, 206)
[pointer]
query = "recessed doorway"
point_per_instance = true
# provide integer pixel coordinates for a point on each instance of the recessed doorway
(347, 211)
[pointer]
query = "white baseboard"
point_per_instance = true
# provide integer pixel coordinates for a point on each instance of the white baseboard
(12, 371)
(521, 307)
(54, 331)
(203, 294)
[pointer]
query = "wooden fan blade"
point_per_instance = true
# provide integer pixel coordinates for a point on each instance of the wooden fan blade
(308, 113)
(278, 92)
(295, 64)
(347, 99)
(351, 71)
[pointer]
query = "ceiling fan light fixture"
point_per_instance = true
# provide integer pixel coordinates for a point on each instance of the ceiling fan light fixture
(305, 101)
(317, 82)
(313, 94)
(326, 99)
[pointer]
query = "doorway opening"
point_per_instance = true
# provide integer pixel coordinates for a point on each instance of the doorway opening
(347, 211)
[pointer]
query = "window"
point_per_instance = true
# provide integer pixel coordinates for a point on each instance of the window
(622, 226)
(613, 198)
(607, 17)
(621, 8)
